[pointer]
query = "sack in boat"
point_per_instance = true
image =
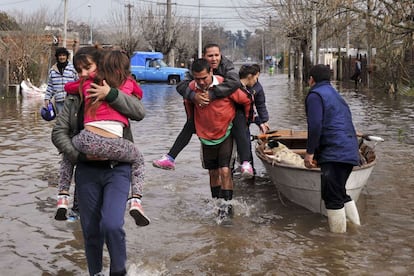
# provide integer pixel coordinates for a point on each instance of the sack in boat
(48, 113)
(283, 155)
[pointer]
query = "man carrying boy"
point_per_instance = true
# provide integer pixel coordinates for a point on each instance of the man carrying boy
(213, 124)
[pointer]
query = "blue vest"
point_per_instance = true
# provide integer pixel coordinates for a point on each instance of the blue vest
(338, 141)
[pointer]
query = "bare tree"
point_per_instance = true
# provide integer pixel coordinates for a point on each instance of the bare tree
(387, 26)
(214, 33)
(29, 48)
(389, 29)
(255, 45)
(123, 29)
(186, 45)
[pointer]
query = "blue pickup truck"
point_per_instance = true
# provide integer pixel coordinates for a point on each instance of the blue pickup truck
(150, 67)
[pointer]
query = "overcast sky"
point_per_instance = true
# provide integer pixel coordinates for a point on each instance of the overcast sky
(228, 12)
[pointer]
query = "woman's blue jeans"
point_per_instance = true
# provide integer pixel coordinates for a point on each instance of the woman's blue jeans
(102, 192)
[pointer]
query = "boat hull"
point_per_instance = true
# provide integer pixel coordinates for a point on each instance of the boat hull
(302, 186)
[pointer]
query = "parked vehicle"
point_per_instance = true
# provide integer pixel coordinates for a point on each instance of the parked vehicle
(150, 67)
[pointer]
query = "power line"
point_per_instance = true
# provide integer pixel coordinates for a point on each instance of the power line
(210, 6)
(14, 2)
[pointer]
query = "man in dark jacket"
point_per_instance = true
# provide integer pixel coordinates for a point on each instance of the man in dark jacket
(225, 68)
(332, 145)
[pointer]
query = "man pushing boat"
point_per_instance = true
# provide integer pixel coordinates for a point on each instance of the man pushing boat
(332, 145)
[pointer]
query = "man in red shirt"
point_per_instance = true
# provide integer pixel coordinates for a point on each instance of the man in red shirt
(213, 124)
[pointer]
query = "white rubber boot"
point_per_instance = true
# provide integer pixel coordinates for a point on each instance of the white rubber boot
(337, 220)
(351, 212)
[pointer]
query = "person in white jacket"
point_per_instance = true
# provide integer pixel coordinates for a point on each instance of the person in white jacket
(60, 73)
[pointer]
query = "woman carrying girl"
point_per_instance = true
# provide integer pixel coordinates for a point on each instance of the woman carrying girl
(102, 137)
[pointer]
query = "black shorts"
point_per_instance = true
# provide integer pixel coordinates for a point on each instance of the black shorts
(218, 156)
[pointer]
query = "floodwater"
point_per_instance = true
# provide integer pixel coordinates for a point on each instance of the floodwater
(268, 236)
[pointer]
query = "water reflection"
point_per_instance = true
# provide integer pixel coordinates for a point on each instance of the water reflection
(269, 235)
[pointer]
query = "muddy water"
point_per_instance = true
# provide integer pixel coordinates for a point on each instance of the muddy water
(268, 236)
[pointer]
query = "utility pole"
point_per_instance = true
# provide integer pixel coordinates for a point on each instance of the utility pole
(171, 59)
(200, 37)
(65, 23)
(90, 24)
(168, 34)
(129, 6)
(369, 31)
(263, 51)
(314, 37)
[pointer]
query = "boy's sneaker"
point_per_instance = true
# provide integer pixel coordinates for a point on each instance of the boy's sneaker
(166, 162)
(62, 207)
(247, 170)
(73, 216)
(137, 212)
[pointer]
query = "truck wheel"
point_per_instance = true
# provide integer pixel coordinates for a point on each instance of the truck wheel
(173, 79)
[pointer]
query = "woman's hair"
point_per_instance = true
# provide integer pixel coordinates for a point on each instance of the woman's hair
(83, 58)
(85, 55)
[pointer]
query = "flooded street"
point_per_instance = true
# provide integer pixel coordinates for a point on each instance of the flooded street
(269, 235)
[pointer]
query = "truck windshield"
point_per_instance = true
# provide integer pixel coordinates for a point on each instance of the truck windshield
(162, 63)
(157, 63)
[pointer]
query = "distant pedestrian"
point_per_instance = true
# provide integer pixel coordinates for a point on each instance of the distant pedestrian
(60, 73)
(357, 72)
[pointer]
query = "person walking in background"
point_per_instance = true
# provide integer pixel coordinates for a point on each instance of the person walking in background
(357, 73)
(102, 135)
(333, 145)
(102, 185)
(213, 124)
(60, 73)
(225, 68)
